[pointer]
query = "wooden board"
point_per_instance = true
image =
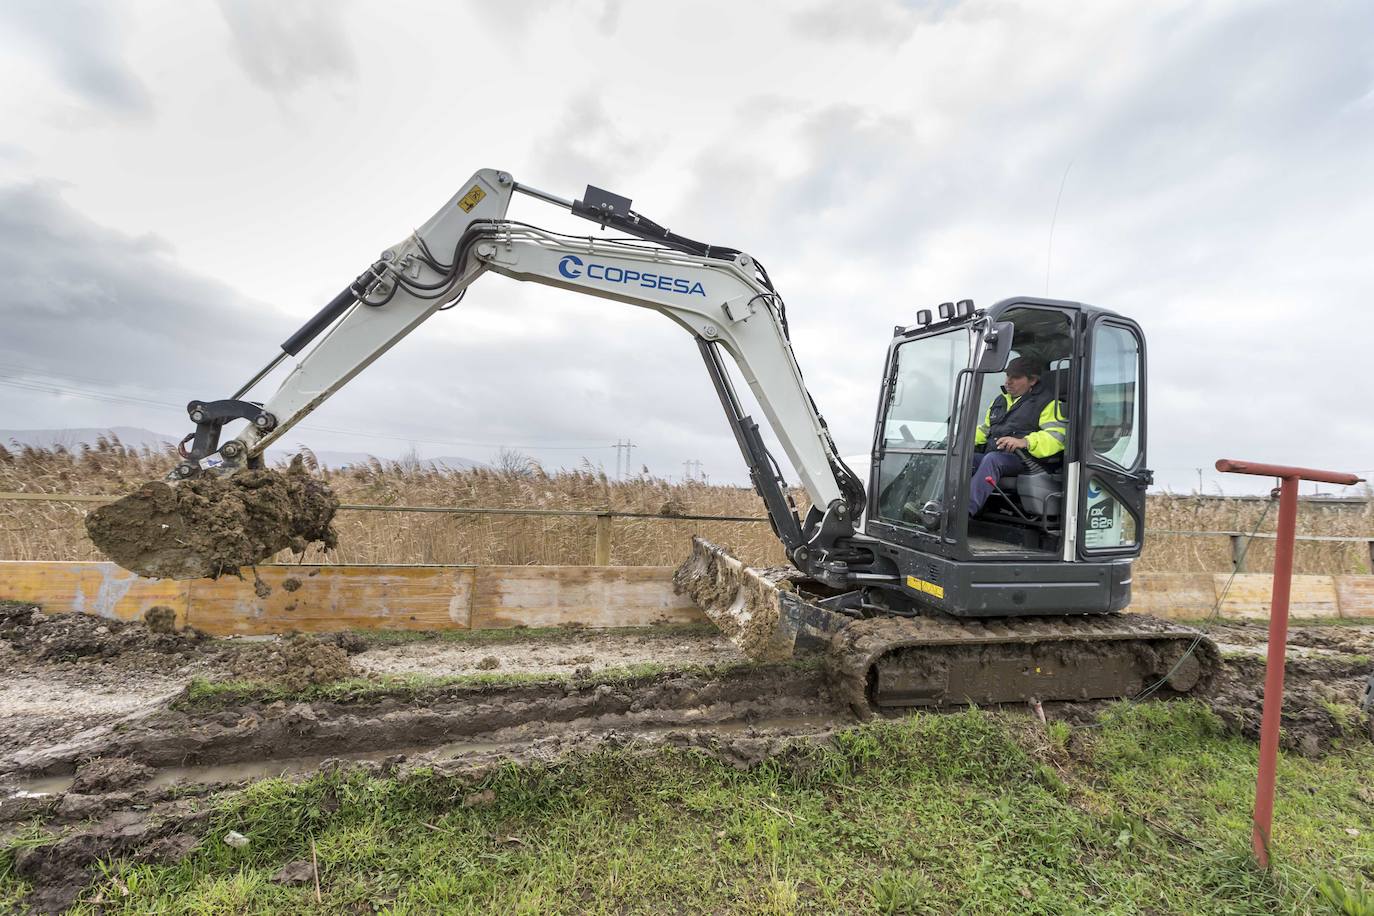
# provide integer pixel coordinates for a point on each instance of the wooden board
(1356, 596)
(329, 598)
(102, 589)
(1182, 596)
(593, 596)
(458, 597)
(1251, 594)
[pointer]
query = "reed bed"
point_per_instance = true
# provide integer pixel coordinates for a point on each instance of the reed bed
(32, 530)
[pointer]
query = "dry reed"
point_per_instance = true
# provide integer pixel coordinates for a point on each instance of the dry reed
(31, 530)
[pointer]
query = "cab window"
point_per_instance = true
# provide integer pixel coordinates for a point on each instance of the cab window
(917, 423)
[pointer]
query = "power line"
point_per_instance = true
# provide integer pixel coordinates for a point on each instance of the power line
(42, 387)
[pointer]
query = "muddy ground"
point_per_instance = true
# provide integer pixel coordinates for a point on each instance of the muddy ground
(100, 738)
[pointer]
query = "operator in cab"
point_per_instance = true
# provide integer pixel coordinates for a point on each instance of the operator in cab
(1024, 415)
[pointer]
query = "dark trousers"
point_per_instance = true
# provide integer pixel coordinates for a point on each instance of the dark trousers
(990, 464)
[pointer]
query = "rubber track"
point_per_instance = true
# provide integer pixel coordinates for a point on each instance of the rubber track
(856, 648)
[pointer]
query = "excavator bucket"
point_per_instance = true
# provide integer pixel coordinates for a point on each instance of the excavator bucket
(759, 610)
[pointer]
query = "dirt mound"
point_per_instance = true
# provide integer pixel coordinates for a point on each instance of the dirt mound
(160, 619)
(1321, 701)
(73, 637)
(210, 526)
(106, 774)
(60, 871)
(295, 664)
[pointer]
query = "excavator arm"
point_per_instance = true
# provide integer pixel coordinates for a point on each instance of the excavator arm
(720, 296)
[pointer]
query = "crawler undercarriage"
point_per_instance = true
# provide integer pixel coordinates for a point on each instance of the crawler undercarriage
(882, 662)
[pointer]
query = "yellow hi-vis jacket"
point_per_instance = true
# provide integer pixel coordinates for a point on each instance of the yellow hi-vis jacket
(1045, 442)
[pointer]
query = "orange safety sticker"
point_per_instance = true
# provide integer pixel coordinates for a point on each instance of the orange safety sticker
(472, 198)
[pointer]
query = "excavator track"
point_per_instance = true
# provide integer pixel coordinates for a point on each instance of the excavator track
(889, 663)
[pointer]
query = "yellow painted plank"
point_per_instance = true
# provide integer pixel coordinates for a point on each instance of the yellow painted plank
(592, 596)
(1251, 594)
(1186, 596)
(102, 589)
(329, 598)
(1355, 595)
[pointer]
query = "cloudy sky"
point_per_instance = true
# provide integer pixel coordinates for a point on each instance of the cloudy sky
(183, 182)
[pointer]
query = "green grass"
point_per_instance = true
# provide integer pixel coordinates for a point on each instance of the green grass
(967, 813)
(203, 694)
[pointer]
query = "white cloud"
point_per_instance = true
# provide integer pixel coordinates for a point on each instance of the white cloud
(285, 45)
(878, 157)
(81, 42)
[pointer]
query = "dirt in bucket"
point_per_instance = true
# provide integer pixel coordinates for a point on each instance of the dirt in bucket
(211, 526)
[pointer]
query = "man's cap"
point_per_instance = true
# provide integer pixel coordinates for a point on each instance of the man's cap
(1024, 366)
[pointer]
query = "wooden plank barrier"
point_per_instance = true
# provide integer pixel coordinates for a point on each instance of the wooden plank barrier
(327, 598)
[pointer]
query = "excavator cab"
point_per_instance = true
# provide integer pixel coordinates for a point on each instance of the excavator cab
(1059, 531)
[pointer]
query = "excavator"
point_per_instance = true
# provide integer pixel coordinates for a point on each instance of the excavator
(911, 601)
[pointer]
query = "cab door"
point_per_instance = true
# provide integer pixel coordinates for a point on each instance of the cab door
(1113, 475)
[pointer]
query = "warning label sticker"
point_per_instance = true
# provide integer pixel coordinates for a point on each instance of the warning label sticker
(472, 198)
(929, 588)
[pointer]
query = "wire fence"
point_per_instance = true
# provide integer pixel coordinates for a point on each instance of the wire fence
(625, 538)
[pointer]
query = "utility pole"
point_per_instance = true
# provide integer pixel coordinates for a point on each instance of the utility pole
(624, 446)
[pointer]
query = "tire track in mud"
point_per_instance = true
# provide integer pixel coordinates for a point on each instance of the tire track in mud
(182, 734)
(1321, 708)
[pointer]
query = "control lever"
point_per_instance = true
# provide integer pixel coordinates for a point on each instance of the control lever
(1011, 502)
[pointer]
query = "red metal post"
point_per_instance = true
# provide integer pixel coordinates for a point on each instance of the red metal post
(1278, 633)
(1274, 669)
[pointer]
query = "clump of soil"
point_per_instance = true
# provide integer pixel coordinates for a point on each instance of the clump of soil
(1321, 701)
(61, 870)
(296, 663)
(73, 637)
(160, 619)
(210, 526)
(107, 774)
(489, 663)
(290, 583)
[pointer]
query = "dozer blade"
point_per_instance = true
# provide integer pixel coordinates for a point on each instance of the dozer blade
(759, 610)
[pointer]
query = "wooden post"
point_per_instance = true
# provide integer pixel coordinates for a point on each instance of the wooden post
(1238, 545)
(1370, 545)
(603, 539)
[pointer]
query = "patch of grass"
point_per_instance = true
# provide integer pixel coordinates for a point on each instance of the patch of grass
(930, 813)
(203, 693)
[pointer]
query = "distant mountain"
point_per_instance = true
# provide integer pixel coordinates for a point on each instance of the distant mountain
(139, 438)
(131, 436)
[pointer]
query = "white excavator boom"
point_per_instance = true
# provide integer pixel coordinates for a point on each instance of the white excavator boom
(719, 296)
